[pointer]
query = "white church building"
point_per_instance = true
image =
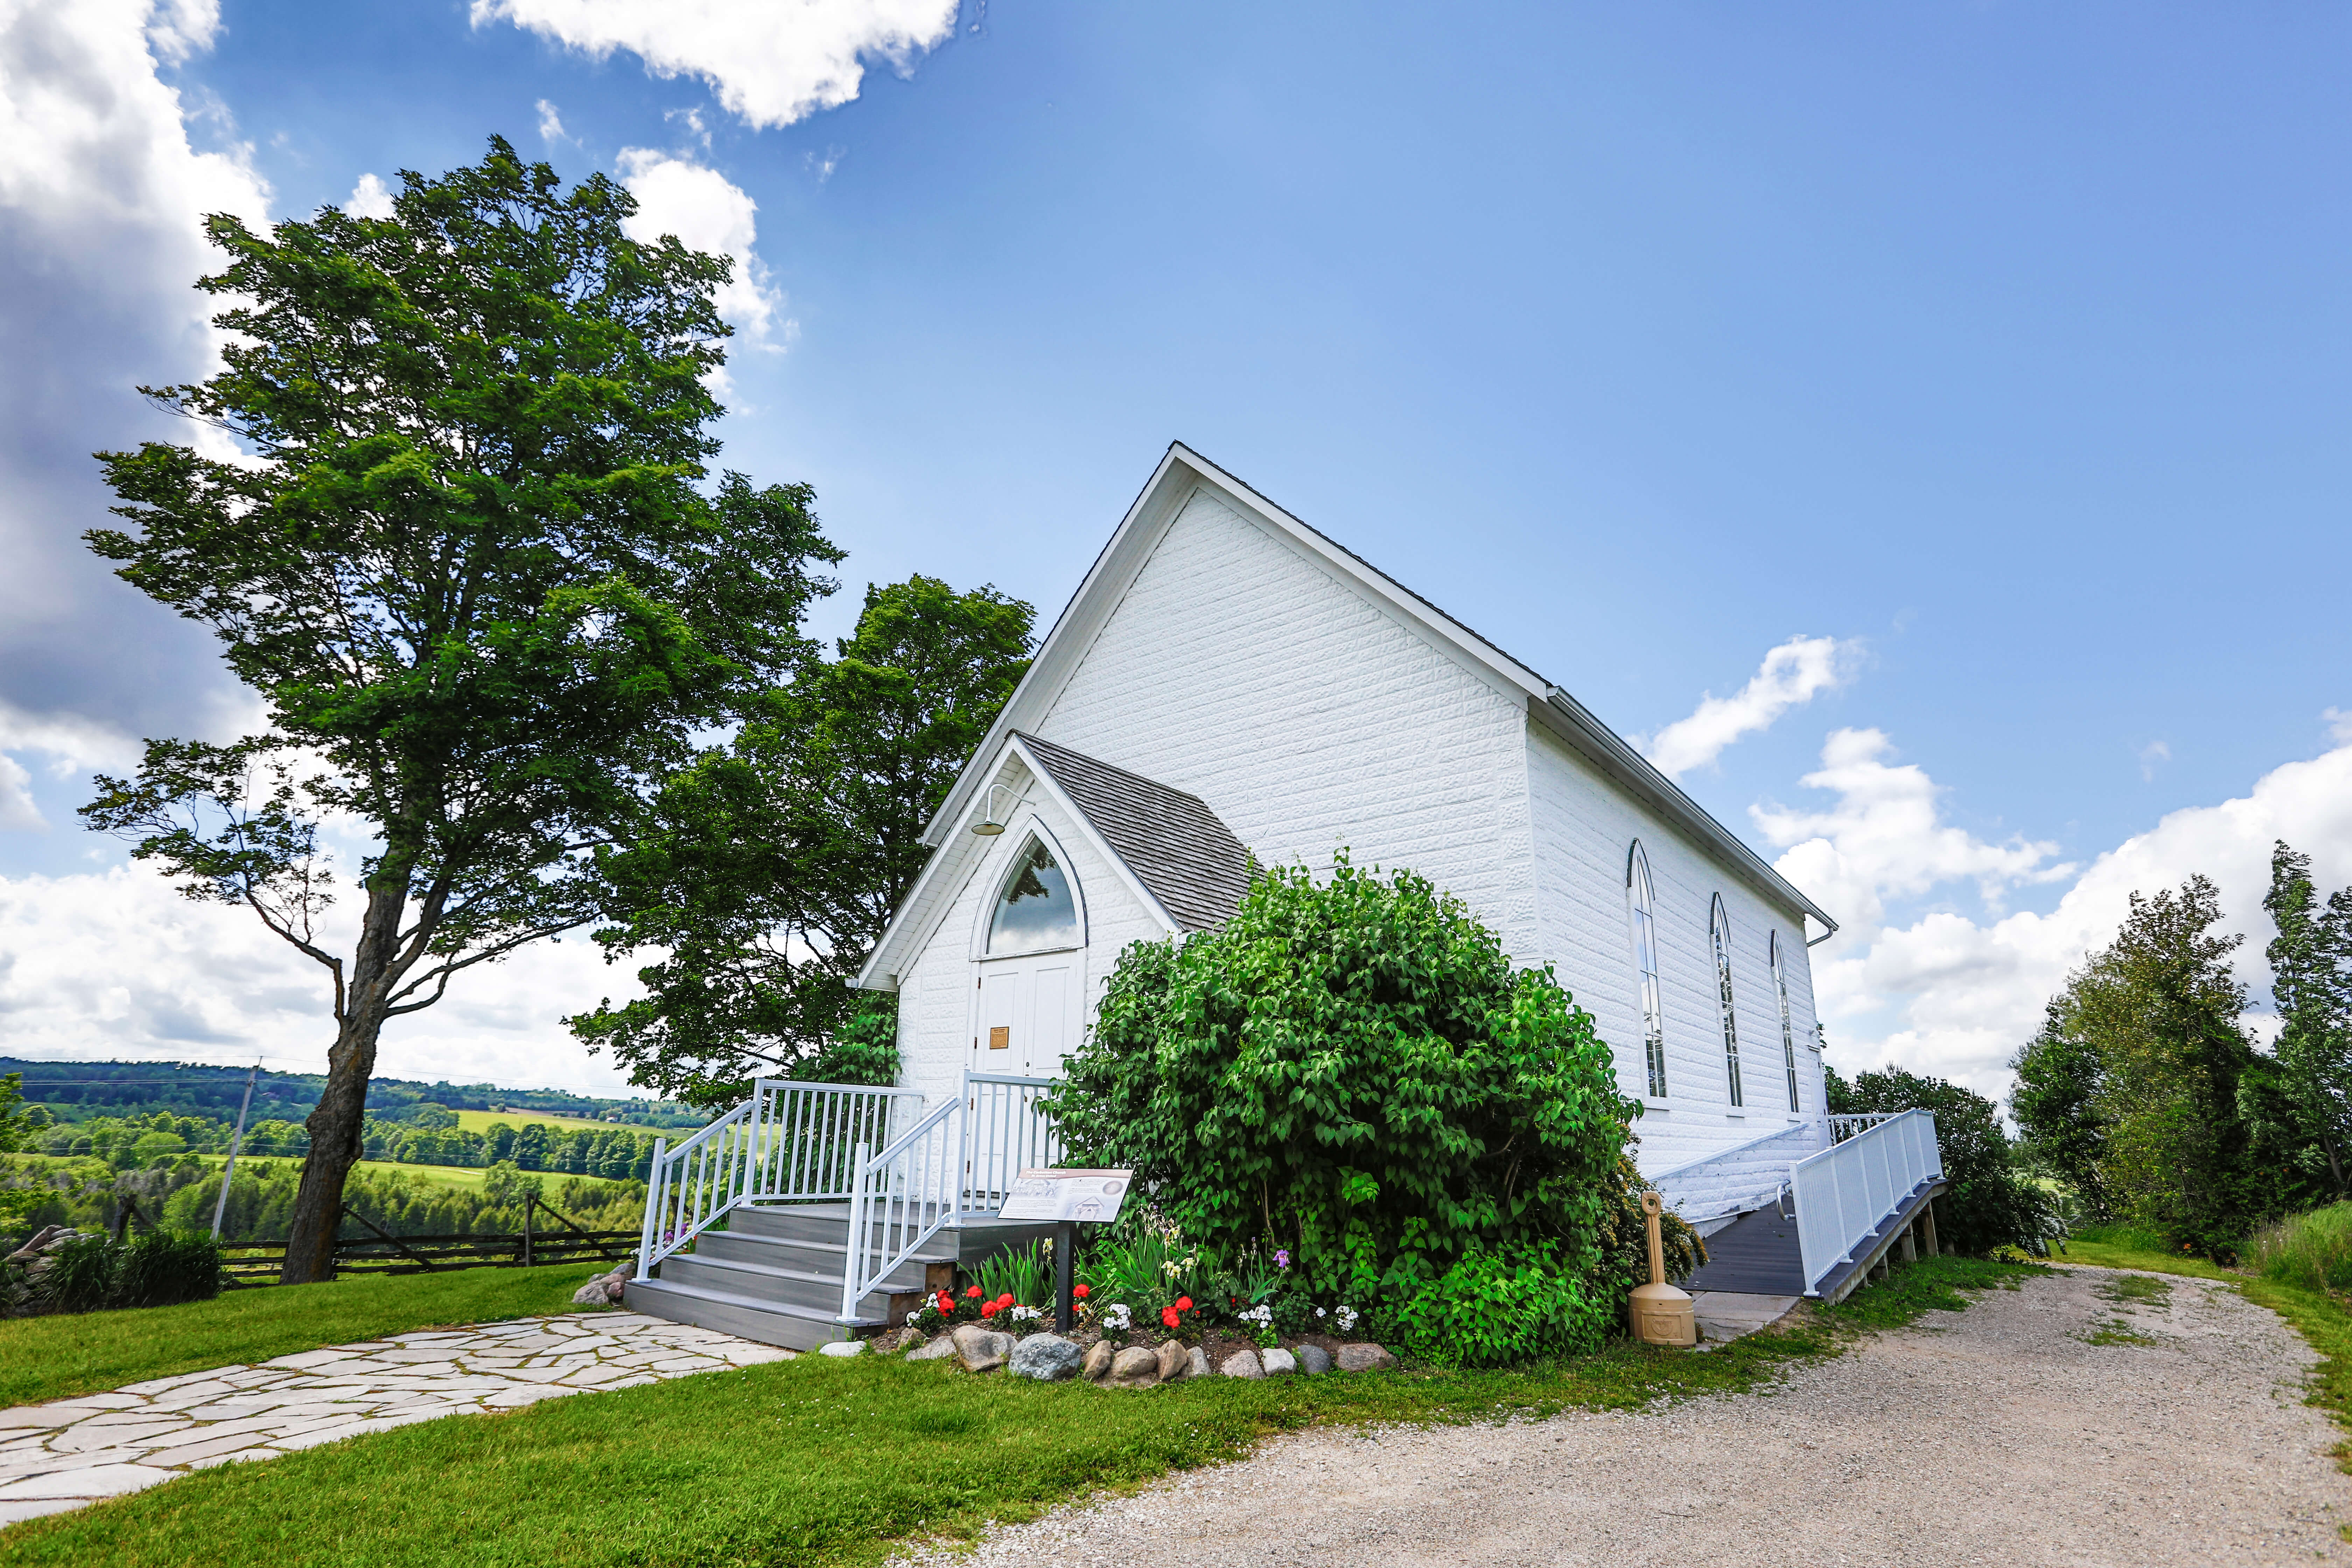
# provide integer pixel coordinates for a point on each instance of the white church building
(1229, 683)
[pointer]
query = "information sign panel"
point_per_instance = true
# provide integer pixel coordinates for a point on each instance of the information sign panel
(1093, 1196)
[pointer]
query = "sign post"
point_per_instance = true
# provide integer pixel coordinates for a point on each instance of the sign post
(1066, 1197)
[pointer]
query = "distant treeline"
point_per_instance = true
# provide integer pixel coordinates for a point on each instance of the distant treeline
(129, 1143)
(181, 1195)
(75, 1092)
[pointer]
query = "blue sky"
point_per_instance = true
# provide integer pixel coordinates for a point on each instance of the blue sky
(2007, 346)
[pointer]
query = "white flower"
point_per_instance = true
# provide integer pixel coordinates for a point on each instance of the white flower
(1117, 1317)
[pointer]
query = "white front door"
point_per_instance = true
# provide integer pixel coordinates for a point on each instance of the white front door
(1026, 1020)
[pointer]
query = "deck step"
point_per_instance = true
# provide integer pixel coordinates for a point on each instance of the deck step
(758, 1281)
(770, 1323)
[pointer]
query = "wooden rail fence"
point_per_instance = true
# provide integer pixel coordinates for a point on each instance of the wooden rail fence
(381, 1252)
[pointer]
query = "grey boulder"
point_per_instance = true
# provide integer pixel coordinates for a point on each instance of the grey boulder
(606, 1289)
(1099, 1355)
(1048, 1358)
(1278, 1364)
(1365, 1357)
(933, 1350)
(983, 1350)
(1136, 1366)
(1243, 1364)
(842, 1347)
(1199, 1359)
(1175, 1363)
(1313, 1359)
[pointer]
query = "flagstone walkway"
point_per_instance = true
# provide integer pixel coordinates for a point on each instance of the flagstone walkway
(70, 1452)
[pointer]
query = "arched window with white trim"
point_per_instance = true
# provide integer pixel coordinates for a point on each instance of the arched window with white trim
(1788, 1028)
(1719, 927)
(1646, 959)
(1036, 911)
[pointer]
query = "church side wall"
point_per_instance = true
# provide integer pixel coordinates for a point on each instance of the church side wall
(1307, 717)
(1584, 827)
(935, 994)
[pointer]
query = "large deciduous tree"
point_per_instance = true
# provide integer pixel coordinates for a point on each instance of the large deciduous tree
(771, 867)
(470, 560)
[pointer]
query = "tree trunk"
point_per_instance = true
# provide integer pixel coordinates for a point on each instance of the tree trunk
(336, 1124)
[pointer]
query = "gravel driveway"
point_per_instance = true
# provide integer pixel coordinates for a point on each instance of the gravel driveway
(1999, 1434)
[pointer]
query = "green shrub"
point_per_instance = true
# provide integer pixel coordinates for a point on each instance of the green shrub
(1492, 1309)
(1353, 1072)
(81, 1275)
(162, 1269)
(2311, 1251)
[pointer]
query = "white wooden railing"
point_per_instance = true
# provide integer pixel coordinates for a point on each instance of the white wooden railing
(958, 1163)
(789, 1141)
(1844, 1193)
(1846, 1126)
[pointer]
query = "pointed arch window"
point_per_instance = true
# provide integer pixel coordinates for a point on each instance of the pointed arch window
(1035, 910)
(1645, 958)
(1788, 1030)
(1719, 927)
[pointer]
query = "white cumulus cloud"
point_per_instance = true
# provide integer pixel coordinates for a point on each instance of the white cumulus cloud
(115, 965)
(771, 62)
(369, 198)
(707, 211)
(551, 124)
(1792, 675)
(1953, 994)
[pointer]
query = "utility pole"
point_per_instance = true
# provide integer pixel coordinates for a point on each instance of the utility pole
(236, 1139)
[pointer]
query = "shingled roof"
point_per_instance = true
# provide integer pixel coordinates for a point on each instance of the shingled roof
(1172, 842)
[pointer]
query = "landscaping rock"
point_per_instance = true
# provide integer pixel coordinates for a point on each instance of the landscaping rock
(933, 1350)
(1278, 1364)
(1136, 1366)
(1313, 1359)
(842, 1347)
(1199, 1359)
(983, 1350)
(1175, 1363)
(1243, 1364)
(1365, 1357)
(606, 1289)
(1099, 1355)
(1048, 1358)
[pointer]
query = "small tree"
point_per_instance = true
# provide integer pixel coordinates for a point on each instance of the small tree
(1991, 1204)
(472, 566)
(1352, 1070)
(2159, 1009)
(2311, 980)
(771, 865)
(2056, 1104)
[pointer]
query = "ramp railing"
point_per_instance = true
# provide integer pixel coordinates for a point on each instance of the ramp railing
(1847, 1191)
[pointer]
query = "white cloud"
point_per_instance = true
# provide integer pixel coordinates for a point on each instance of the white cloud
(115, 965)
(1956, 995)
(369, 198)
(771, 64)
(551, 124)
(1792, 674)
(71, 744)
(102, 197)
(710, 213)
(2154, 751)
(2339, 724)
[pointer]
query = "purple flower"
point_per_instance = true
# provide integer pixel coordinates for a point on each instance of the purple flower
(1282, 1258)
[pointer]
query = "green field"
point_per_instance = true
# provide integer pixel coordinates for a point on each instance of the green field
(483, 1121)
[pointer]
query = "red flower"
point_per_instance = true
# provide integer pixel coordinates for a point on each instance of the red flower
(1168, 1316)
(1080, 1292)
(1004, 1300)
(988, 1310)
(1183, 1303)
(972, 1290)
(947, 1304)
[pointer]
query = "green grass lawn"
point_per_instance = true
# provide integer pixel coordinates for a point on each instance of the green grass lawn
(2123, 1247)
(50, 1358)
(835, 1462)
(482, 1120)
